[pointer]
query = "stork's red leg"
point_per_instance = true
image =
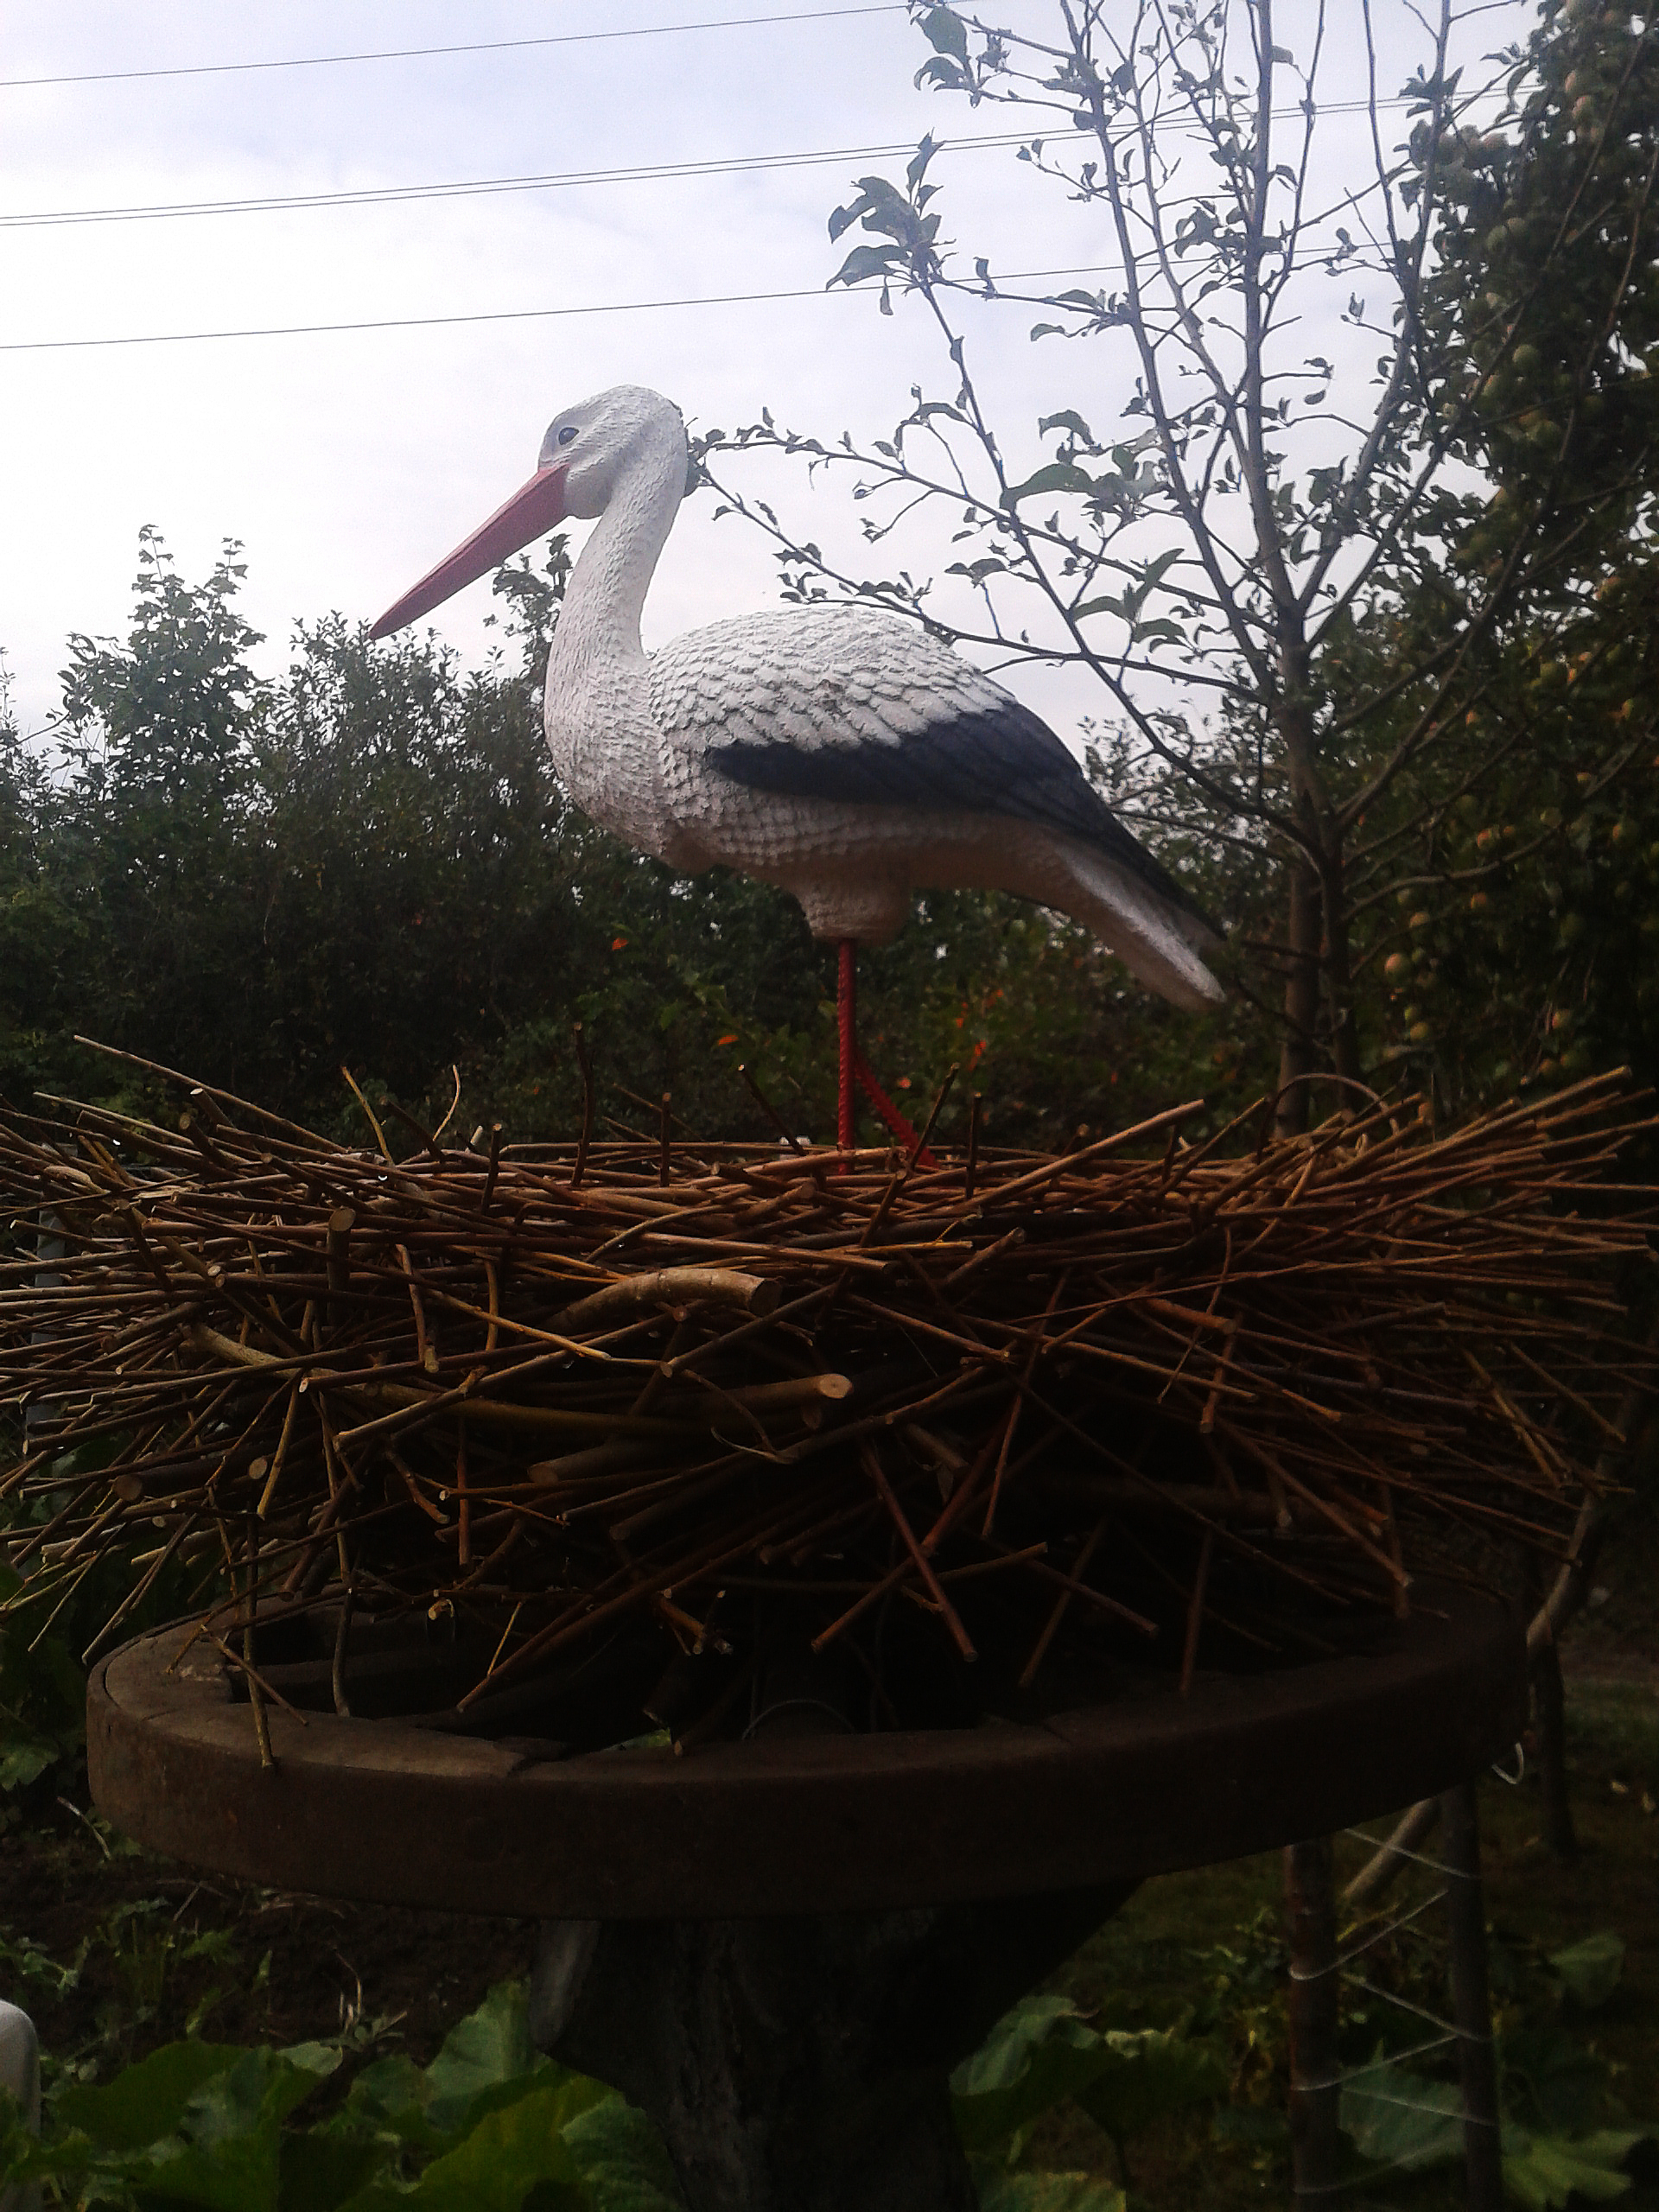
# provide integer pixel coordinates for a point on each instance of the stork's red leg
(847, 1028)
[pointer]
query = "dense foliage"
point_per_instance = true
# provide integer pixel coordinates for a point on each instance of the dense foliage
(368, 861)
(352, 2123)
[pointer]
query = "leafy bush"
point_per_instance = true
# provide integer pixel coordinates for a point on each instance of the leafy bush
(216, 2126)
(488, 2124)
(1042, 2054)
(1555, 2091)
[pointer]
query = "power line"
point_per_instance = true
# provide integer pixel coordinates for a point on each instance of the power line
(503, 314)
(470, 187)
(560, 180)
(424, 52)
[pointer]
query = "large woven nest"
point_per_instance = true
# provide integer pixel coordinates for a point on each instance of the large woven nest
(724, 1408)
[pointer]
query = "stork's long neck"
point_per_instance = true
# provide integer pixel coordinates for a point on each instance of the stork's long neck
(599, 730)
(599, 623)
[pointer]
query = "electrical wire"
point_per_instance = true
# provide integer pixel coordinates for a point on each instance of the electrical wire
(559, 180)
(424, 52)
(502, 315)
(468, 188)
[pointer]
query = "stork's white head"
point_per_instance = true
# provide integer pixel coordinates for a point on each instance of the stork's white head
(594, 441)
(583, 456)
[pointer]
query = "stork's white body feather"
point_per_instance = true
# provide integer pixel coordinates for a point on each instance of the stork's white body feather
(838, 752)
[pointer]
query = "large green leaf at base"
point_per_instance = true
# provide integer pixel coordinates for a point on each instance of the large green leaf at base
(1007, 2192)
(1412, 2124)
(508, 2155)
(1397, 2119)
(1542, 2171)
(1044, 2051)
(150, 2100)
(1143, 2077)
(623, 2165)
(1590, 1968)
(1038, 2054)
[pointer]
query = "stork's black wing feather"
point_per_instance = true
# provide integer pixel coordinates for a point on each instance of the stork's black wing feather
(1000, 759)
(851, 706)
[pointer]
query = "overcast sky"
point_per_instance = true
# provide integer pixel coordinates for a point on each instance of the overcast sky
(347, 463)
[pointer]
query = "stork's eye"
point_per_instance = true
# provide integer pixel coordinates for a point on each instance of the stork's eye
(567, 434)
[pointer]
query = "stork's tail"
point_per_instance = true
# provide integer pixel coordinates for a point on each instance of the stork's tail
(1156, 941)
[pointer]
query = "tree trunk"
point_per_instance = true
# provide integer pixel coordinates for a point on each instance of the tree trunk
(1339, 978)
(1472, 2004)
(1310, 1911)
(803, 2064)
(1301, 1000)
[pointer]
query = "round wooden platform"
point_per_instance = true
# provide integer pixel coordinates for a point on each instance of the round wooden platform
(383, 1809)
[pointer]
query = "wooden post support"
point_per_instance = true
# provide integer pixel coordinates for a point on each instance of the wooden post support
(1549, 1713)
(1311, 1914)
(802, 2064)
(1470, 2003)
(1549, 1721)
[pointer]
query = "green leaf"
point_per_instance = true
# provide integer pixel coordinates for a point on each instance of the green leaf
(489, 2048)
(1156, 570)
(949, 75)
(1005, 2053)
(1038, 2054)
(390, 2095)
(319, 2170)
(487, 2062)
(23, 1763)
(944, 34)
(865, 261)
(1591, 1969)
(1007, 2192)
(318, 2058)
(148, 2101)
(1552, 2081)
(917, 167)
(1069, 420)
(508, 2154)
(1542, 2171)
(19, 2152)
(620, 2158)
(1143, 2077)
(883, 201)
(262, 2089)
(1397, 2118)
(1057, 476)
(227, 2156)
(1044, 2051)
(990, 2119)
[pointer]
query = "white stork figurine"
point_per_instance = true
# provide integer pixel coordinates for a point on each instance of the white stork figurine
(838, 752)
(20, 2073)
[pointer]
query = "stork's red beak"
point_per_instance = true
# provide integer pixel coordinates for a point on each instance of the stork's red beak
(533, 509)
